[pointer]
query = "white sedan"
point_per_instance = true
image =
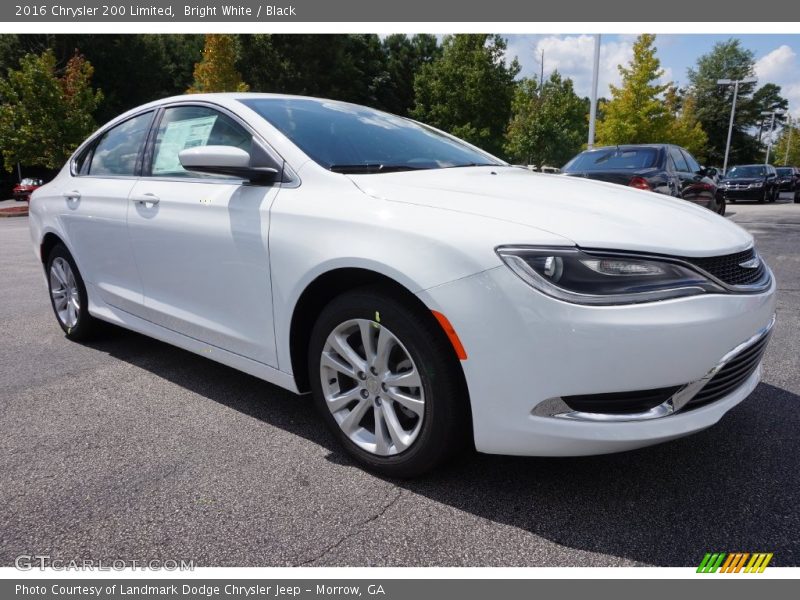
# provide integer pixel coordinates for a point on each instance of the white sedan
(430, 296)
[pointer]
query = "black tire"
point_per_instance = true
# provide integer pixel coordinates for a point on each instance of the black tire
(764, 197)
(446, 425)
(775, 194)
(86, 326)
(721, 207)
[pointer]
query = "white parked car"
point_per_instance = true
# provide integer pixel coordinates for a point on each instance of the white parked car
(429, 295)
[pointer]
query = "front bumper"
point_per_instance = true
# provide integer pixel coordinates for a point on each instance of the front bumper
(746, 194)
(526, 349)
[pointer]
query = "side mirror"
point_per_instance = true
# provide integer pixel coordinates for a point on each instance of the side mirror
(229, 160)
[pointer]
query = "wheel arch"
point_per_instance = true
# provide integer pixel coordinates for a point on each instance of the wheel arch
(327, 286)
(49, 241)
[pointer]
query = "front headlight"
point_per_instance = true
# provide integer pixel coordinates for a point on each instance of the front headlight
(602, 278)
(757, 184)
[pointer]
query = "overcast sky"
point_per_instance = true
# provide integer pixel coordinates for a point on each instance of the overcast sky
(777, 56)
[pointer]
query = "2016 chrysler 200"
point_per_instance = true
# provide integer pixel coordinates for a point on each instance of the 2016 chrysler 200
(427, 294)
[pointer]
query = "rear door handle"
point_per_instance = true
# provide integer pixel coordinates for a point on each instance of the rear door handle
(147, 198)
(73, 195)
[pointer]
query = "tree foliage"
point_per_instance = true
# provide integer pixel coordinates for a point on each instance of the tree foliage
(46, 112)
(548, 122)
(468, 90)
(790, 140)
(216, 71)
(684, 128)
(726, 60)
(636, 113)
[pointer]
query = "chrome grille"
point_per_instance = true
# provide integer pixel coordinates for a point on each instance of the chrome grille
(732, 375)
(727, 268)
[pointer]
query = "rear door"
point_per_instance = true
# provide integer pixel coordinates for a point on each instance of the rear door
(95, 207)
(200, 242)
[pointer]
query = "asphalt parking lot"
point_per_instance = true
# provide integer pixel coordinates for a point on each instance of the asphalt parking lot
(131, 449)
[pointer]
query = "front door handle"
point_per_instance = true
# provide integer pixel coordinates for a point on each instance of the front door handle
(73, 195)
(146, 199)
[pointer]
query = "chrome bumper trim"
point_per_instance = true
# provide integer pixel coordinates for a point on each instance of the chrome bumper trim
(557, 408)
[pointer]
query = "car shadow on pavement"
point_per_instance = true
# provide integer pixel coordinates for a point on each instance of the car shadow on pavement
(733, 487)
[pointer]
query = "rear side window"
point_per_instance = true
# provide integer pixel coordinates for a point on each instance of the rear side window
(185, 127)
(117, 151)
(693, 165)
(678, 160)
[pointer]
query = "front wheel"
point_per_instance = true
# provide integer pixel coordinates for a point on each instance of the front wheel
(68, 295)
(387, 383)
(721, 207)
(764, 197)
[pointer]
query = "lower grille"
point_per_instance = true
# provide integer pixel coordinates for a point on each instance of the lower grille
(617, 403)
(732, 375)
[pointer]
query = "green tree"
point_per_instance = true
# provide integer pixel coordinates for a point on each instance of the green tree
(404, 57)
(349, 67)
(636, 113)
(790, 140)
(727, 60)
(468, 90)
(46, 113)
(216, 72)
(684, 128)
(548, 122)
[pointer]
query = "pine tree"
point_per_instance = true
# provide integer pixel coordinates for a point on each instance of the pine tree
(636, 113)
(216, 72)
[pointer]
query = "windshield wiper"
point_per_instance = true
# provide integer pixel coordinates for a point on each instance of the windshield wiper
(372, 168)
(472, 164)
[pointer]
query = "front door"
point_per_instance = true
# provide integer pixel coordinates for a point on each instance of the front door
(200, 242)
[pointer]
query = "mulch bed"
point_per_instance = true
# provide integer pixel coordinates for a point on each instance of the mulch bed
(14, 211)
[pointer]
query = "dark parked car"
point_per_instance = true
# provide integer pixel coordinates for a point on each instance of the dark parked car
(660, 168)
(750, 182)
(789, 181)
(24, 189)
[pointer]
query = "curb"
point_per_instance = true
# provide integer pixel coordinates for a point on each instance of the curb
(14, 212)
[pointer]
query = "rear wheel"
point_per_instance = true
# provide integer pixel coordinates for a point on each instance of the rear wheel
(68, 295)
(387, 383)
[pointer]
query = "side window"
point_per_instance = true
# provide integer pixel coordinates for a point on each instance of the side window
(184, 127)
(678, 159)
(693, 165)
(117, 150)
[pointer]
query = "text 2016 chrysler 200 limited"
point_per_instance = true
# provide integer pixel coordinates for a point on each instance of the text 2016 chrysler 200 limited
(427, 294)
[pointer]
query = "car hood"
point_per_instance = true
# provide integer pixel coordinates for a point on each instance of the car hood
(591, 214)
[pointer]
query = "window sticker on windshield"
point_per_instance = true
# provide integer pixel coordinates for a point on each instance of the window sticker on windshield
(180, 135)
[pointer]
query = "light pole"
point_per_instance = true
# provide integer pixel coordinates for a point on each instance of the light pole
(593, 107)
(788, 143)
(771, 115)
(735, 83)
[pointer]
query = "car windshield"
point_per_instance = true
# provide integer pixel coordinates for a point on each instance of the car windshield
(784, 172)
(610, 159)
(354, 139)
(746, 172)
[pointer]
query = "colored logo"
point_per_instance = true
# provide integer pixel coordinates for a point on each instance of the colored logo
(735, 562)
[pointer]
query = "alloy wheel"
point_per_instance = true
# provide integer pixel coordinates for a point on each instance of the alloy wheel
(64, 290)
(372, 387)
